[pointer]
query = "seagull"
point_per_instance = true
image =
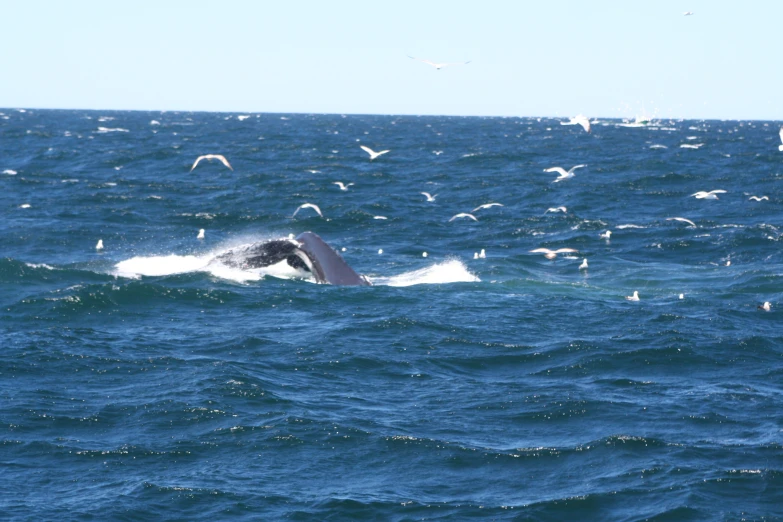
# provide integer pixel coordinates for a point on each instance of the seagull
(707, 195)
(438, 66)
(308, 205)
(482, 254)
(780, 147)
(424, 254)
(342, 185)
(583, 266)
(634, 297)
(606, 235)
(578, 120)
(380, 217)
(551, 254)
(557, 209)
(380, 251)
(429, 196)
(766, 306)
(691, 223)
(200, 234)
(463, 215)
(99, 246)
(487, 205)
(220, 157)
(371, 152)
(687, 13)
(563, 173)
(756, 198)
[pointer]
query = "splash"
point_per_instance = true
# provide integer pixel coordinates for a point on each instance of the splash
(451, 271)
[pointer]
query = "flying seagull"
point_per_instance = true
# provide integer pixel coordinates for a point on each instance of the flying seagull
(756, 198)
(556, 209)
(563, 174)
(372, 153)
(487, 205)
(463, 215)
(691, 223)
(429, 196)
(438, 66)
(634, 297)
(342, 185)
(220, 157)
(780, 147)
(707, 195)
(308, 205)
(578, 120)
(551, 254)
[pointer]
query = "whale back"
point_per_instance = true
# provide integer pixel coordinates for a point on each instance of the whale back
(327, 265)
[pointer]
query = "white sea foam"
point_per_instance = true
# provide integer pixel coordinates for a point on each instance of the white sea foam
(629, 226)
(450, 271)
(104, 130)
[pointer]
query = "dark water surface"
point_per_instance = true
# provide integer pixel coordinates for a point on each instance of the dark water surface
(148, 381)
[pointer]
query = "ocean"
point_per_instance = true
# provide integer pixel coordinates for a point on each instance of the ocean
(149, 381)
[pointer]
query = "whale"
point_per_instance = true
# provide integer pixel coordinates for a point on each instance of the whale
(306, 252)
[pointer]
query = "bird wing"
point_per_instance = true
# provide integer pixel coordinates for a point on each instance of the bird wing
(781, 134)
(368, 150)
(196, 162)
(564, 250)
(559, 170)
(223, 160)
(719, 191)
(572, 169)
(541, 251)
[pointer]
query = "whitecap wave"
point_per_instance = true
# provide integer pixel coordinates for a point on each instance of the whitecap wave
(105, 130)
(450, 271)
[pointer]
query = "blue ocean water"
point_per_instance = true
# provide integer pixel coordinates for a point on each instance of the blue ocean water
(147, 381)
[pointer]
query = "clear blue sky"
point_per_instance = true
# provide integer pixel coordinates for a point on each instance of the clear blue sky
(542, 58)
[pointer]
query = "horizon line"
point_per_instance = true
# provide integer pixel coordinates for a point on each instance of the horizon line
(677, 118)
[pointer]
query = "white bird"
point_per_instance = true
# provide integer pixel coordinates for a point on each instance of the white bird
(583, 266)
(308, 205)
(372, 153)
(551, 254)
(707, 195)
(634, 297)
(691, 223)
(24, 205)
(438, 66)
(200, 234)
(463, 215)
(380, 217)
(682, 296)
(487, 205)
(380, 251)
(756, 198)
(557, 209)
(429, 196)
(780, 147)
(606, 235)
(687, 13)
(424, 254)
(578, 120)
(482, 254)
(475, 255)
(220, 157)
(342, 185)
(766, 306)
(99, 245)
(563, 173)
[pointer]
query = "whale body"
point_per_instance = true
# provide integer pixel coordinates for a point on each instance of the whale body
(306, 252)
